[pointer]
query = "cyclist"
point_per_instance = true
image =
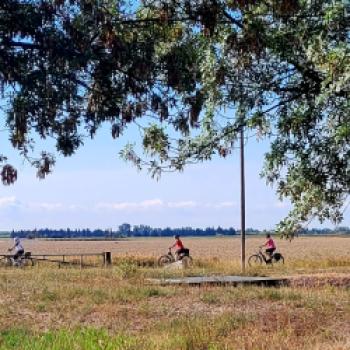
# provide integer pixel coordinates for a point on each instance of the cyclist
(270, 247)
(180, 248)
(18, 248)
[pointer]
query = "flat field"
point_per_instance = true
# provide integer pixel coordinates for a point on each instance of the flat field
(223, 248)
(49, 308)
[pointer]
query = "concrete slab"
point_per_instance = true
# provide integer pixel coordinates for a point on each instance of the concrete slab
(220, 280)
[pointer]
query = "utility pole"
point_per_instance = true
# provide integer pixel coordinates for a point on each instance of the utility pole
(242, 202)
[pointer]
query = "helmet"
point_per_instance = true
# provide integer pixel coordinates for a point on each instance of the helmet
(177, 237)
(16, 240)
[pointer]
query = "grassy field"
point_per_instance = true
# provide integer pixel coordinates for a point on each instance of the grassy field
(225, 248)
(49, 308)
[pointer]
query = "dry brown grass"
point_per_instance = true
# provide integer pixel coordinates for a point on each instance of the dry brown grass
(219, 254)
(49, 308)
(173, 318)
(219, 247)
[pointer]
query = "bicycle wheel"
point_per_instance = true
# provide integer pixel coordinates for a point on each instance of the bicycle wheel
(5, 262)
(164, 260)
(278, 259)
(28, 262)
(187, 261)
(255, 260)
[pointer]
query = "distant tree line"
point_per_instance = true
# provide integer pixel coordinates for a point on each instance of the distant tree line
(126, 230)
(326, 231)
(144, 231)
(62, 233)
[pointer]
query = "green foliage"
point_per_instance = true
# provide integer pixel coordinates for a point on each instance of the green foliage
(67, 67)
(281, 68)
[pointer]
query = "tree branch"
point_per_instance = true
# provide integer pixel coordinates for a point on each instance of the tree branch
(233, 20)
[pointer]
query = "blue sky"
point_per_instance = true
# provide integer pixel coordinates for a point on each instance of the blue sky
(95, 189)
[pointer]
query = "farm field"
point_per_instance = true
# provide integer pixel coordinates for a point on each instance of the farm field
(44, 307)
(217, 247)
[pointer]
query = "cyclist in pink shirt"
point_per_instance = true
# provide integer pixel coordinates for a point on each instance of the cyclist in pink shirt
(270, 246)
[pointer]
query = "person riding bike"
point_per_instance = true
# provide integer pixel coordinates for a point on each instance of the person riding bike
(180, 248)
(270, 247)
(18, 248)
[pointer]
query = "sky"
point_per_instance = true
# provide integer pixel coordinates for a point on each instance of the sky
(96, 189)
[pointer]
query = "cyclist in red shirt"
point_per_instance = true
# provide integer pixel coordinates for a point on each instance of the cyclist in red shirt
(180, 248)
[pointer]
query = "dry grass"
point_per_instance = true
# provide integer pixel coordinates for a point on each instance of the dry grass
(51, 301)
(212, 255)
(225, 248)
(220, 247)
(49, 308)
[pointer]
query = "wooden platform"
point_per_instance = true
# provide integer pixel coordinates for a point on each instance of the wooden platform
(221, 280)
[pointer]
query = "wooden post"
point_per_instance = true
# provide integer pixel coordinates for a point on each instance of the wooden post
(108, 258)
(242, 203)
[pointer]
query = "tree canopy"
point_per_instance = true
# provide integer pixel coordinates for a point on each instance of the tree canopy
(66, 67)
(280, 68)
(200, 71)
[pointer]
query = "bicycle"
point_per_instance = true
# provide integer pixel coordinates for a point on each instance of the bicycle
(170, 258)
(258, 258)
(21, 261)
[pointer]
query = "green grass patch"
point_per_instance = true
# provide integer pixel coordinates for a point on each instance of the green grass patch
(79, 339)
(187, 333)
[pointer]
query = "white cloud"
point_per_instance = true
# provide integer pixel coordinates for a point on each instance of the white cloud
(45, 206)
(6, 202)
(158, 203)
(13, 202)
(147, 204)
(225, 205)
(152, 203)
(75, 207)
(184, 204)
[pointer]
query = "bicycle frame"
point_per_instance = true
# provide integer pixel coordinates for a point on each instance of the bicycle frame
(171, 255)
(263, 256)
(259, 258)
(175, 257)
(10, 261)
